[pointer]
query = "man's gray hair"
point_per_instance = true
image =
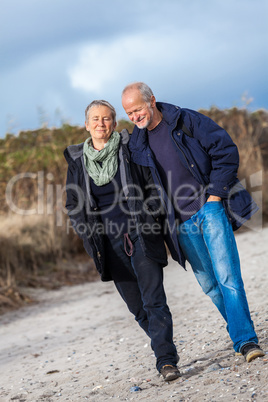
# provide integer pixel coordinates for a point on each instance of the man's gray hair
(100, 103)
(143, 88)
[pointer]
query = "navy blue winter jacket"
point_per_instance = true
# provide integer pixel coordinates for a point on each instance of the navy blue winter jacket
(209, 153)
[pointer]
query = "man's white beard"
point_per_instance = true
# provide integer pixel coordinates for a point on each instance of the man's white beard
(145, 125)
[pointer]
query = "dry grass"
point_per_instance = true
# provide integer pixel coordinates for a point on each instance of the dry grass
(26, 242)
(34, 253)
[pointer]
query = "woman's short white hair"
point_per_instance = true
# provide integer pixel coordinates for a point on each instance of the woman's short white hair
(100, 103)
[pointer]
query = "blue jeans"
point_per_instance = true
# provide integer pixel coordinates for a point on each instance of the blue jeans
(208, 243)
(139, 280)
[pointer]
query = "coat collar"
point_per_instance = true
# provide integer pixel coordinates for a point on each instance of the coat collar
(171, 113)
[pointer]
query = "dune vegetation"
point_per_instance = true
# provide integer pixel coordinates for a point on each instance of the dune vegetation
(37, 245)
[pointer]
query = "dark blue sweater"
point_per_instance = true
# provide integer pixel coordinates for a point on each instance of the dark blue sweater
(186, 193)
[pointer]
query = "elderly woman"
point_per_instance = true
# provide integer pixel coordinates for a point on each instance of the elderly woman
(113, 209)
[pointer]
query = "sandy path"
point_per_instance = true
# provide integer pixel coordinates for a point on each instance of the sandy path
(80, 343)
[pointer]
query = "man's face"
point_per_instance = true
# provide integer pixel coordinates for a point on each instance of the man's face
(138, 111)
(100, 123)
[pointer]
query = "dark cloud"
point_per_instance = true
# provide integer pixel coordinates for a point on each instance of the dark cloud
(56, 56)
(30, 27)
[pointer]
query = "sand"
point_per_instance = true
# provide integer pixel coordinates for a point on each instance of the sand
(80, 343)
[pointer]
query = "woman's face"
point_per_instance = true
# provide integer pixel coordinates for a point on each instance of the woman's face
(100, 124)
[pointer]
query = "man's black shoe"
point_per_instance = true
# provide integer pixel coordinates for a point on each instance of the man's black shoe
(251, 351)
(170, 372)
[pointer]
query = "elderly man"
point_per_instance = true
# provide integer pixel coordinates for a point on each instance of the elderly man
(194, 165)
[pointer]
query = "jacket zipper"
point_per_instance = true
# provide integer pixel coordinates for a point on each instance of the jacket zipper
(189, 167)
(127, 168)
(156, 174)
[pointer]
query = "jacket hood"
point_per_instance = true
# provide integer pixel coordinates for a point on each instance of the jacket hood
(171, 113)
(73, 152)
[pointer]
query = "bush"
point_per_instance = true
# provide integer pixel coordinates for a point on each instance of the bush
(33, 248)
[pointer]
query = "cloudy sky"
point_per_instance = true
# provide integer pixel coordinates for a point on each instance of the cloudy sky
(58, 55)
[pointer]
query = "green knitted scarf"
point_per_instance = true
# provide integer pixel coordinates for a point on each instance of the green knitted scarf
(102, 173)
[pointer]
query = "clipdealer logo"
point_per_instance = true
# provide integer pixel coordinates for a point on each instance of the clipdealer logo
(49, 198)
(254, 186)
